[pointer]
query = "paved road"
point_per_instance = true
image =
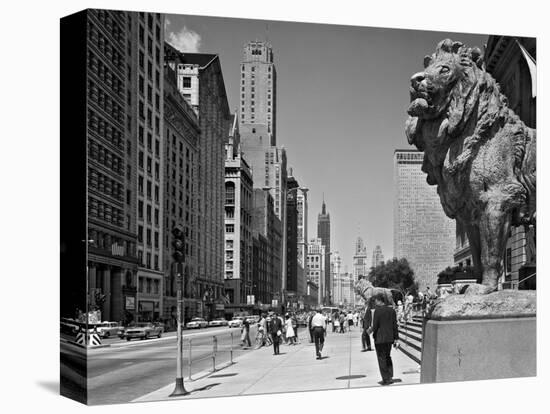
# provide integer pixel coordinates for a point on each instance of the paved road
(127, 370)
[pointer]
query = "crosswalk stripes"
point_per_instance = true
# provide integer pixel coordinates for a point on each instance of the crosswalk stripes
(410, 336)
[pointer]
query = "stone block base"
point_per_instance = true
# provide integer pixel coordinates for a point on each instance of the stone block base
(464, 350)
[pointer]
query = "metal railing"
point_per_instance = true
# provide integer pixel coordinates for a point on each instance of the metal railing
(212, 355)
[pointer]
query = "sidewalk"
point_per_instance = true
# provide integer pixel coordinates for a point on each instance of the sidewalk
(296, 369)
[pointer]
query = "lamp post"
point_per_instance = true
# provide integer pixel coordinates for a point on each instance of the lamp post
(286, 191)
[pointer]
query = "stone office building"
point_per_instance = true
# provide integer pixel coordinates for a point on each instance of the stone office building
(181, 143)
(238, 223)
(200, 80)
(112, 256)
(146, 122)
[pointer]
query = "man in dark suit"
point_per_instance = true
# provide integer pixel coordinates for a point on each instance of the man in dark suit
(384, 330)
(275, 329)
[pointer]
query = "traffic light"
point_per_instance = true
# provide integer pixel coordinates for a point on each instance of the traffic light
(178, 243)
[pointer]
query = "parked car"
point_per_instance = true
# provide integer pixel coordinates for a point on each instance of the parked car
(143, 330)
(218, 322)
(236, 322)
(69, 326)
(107, 329)
(196, 323)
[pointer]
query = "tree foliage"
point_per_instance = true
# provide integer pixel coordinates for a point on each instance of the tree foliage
(394, 274)
(450, 274)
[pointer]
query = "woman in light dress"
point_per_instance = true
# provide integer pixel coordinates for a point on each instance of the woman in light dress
(289, 330)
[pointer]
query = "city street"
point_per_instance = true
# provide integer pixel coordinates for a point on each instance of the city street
(126, 370)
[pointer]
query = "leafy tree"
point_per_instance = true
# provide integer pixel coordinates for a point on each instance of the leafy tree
(450, 274)
(395, 274)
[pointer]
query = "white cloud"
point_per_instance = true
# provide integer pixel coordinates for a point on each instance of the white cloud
(186, 40)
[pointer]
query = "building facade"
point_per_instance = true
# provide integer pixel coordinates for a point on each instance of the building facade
(377, 256)
(316, 267)
(181, 144)
(238, 222)
(200, 80)
(267, 229)
(302, 239)
(112, 238)
(323, 233)
(422, 233)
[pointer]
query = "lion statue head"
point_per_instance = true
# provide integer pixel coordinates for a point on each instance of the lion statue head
(453, 94)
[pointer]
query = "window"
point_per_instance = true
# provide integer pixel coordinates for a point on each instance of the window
(140, 185)
(229, 228)
(149, 213)
(156, 216)
(156, 239)
(140, 235)
(149, 237)
(140, 209)
(148, 264)
(186, 81)
(149, 189)
(140, 134)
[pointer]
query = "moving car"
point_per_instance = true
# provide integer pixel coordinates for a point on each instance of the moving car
(143, 330)
(218, 322)
(236, 322)
(107, 329)
(196, 323)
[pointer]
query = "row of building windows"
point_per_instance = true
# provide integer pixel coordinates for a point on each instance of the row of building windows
(106, 75)
(112, 27)
(104, 211)
(105, 129)
(148, 285)
(150, 242)
(105, 157)
(141, 89)
(148, 215)
(105, 184)
(105, 102)
(147, 262)
(105, 46)
(141, 165)
(149, 189)
(141, 132)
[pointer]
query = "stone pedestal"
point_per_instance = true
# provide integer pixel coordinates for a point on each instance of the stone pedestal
(463, 350)
(476, 337)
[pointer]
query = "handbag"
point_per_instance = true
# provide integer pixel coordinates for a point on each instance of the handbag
(279, 333)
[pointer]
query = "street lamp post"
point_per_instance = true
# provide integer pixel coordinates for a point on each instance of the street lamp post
(284, 258)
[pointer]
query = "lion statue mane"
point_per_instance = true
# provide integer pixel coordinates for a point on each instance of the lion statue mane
(477, 151)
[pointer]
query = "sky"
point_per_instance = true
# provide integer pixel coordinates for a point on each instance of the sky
(342, 96)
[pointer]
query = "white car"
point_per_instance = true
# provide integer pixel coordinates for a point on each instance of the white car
(196, 323)
(107, 329)
(236, 322)
(218, 322)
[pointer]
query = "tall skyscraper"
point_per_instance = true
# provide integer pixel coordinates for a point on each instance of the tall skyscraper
(99, 42)
(200, 81)
(323, 233)
(180, 154)
(360, 267)
(422, 233)
(147, 121)
(377, 256)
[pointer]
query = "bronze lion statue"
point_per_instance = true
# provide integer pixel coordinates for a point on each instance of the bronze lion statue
(477, 151)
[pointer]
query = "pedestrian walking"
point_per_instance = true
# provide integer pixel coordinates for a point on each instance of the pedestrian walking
(245, 334)
(275, 330)
(342, 322)
(385, 334)
(350, 320)
(289, 330)
(295, 327)
(318, 324)
(400, 312)
(335, 321)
